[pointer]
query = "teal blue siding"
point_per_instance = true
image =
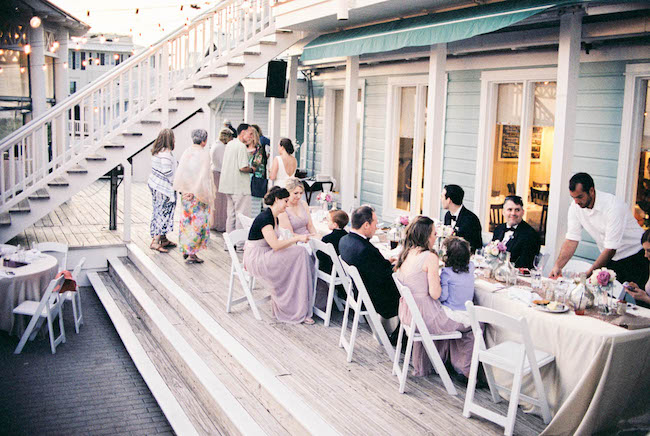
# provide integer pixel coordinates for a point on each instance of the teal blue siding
(461, 131)
(319, 110)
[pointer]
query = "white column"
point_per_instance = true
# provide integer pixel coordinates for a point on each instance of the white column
(292, 98)
(61, 80)
(434, 148)
(164, 98)
(36, 74)
(249, 107)
(565, 119)
(274, 126)
(349, 144)
(128, 168)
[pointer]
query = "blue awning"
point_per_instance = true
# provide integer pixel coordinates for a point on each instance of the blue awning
(425, 30)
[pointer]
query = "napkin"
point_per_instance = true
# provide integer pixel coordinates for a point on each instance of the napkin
(374, 240)
(523, 295)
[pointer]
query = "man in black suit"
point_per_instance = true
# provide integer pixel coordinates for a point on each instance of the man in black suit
(465, 222)
(375, 270)
(522, 241)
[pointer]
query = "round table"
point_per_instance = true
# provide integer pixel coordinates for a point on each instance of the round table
(28, 283)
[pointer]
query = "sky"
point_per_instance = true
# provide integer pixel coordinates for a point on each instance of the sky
(155, 18)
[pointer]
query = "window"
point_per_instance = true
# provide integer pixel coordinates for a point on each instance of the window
(642, 197)
(102, 59)
(73, 87)
(83, 60)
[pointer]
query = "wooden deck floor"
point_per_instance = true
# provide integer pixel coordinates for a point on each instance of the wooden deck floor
(357, 398)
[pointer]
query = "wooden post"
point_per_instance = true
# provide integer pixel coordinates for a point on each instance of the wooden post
(434, 148)
(127, 200)
(249, 107)
(274, 126)
(291, 99)
(164, 87)
(568, 64)
(349, 143)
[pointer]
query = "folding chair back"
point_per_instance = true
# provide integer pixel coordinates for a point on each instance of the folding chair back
(245, 221)
(246, 281)
(418, 331)
(518, 358)
(362, 305)
(60, 249)
(49, 307)
(332, 279)
(75, 297)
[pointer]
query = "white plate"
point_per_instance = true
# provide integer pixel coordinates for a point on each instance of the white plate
(543, 308)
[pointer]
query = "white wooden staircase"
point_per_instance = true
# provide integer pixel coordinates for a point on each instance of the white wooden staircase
(60, 153)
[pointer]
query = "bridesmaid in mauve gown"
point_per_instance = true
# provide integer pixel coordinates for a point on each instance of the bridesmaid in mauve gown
(268, 258)
(417, 269)
(297, 218)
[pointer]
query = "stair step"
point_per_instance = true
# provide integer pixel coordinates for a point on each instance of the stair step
(218, 75)
(184, 98)
(110, 146)
(267, 42)
(150, 122)
(96, 157)
(171, 109)
(77, 170)
(252, 53)
(5, 219)
(59, 181)
(40, 194)
(131, 134)
(21, 207)
(235, 64)
(201, 86)
(285, 31)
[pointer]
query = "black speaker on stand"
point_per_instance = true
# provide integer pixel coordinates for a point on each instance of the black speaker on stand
(276, 75)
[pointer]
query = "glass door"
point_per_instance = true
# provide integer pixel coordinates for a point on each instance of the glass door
(642, 204)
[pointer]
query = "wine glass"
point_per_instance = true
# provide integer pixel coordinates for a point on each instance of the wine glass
(539, 261)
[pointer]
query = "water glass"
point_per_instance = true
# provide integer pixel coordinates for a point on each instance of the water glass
(536, 281)
(561, 289)
(549, 291)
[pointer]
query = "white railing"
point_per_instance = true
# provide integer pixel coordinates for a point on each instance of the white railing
(43, 148)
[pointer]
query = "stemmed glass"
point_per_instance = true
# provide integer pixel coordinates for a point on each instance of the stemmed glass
(536, 273)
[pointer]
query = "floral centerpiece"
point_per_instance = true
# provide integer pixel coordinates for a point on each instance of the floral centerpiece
(324, 198)
(602, 279)
(402, 221)
(495, 251)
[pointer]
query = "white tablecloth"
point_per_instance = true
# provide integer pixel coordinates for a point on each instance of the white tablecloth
(601, 371)
(28, 283)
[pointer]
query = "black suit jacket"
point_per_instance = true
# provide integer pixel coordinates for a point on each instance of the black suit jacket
(468, 227)
(324, 261)
(375, 270)
(523, 246)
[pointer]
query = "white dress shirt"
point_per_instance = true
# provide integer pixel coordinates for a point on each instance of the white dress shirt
(454, 216)
(507, 236)
(610, 222)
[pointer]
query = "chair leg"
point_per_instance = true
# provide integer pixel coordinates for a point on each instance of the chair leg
(492, 384)
(37, 328)
(330, 300)
(61, 326)
(407, 359)
(26, 334)
(79, 311)
(353, 334)
(514, 401)
(344, 323)
(74, 314)
(50, 330)
(541, 394)
(471, 384)
(230, 286)
(398, 347)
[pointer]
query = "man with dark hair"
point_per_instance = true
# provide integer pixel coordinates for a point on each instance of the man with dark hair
(521, 240)
(611, 224)
(375, 270)
(463, 220)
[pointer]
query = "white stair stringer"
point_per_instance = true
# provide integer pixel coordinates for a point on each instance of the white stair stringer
(185, 100)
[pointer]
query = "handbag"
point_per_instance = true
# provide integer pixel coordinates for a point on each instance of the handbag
(259, 186)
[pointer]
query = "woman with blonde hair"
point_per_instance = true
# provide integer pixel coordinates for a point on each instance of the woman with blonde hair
(296, 218)
(219, 204)
(163, 196)
(194, 181)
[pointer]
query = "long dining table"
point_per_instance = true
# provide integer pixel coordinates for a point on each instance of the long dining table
(601, 371)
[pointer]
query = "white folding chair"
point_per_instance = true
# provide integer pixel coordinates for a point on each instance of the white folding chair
(47, 309)
(358, 304)
(333, 279)
(75, 297)
(418, 332)
(518, 358)
(246, 280)
(60, 249)
(245, 221)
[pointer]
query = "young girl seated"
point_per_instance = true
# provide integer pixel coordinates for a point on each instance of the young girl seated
(456, 279)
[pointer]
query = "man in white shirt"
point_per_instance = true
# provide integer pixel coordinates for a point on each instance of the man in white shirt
(235, 180)
(611, 224)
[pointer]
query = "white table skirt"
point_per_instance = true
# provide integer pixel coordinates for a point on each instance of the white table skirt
(29, 283)
(601, 372)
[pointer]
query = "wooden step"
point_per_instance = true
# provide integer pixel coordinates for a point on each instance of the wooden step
(183, 98)
(284, 31)
(96, 157)
(113, 146)
(252, 53)
(218, 75)
(235, 64)
(77, 170)
(267, 42)
(201, 86)
(131, 134)
(39, 194)
(59, 181)
(5, 219)
(20, 207)
(150, 122)
(171, 109)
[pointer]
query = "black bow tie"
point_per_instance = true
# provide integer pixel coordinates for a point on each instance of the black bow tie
(454, 218)
(510, 229)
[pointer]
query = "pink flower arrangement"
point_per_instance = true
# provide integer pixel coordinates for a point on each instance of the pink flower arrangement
(602, 277)
(402, 220)
(501, 247)
(324, 197)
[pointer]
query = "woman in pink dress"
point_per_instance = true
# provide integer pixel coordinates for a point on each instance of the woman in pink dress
(297, 218)
(418, 269)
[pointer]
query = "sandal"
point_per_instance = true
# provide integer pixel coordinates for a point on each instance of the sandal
(158, 247)
(194, 259)
(167, 243)
(309, 321)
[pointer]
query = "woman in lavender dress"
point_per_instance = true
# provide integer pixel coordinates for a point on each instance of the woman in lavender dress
(287, 267)
(417, 268)
(297, 218)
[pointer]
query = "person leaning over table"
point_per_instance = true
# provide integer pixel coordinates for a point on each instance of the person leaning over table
(610, 223)
(463, 220)
(287, 267)
(375, 270)
(642, 296)
(520, 239)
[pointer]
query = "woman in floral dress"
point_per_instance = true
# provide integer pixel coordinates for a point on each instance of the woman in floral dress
(194, 180)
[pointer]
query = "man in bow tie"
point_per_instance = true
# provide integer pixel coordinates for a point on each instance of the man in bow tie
(463, 220)
(521, 240)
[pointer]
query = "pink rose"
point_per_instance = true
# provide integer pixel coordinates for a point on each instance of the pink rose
(501, 247)
(603, 278)
(404, 220)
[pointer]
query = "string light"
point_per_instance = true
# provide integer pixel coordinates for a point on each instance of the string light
(2, 52)
(65, 65)
(116, 56)
(22, 70)
(35, 22)
(28, 49)
(44, 67)
(1, 70)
